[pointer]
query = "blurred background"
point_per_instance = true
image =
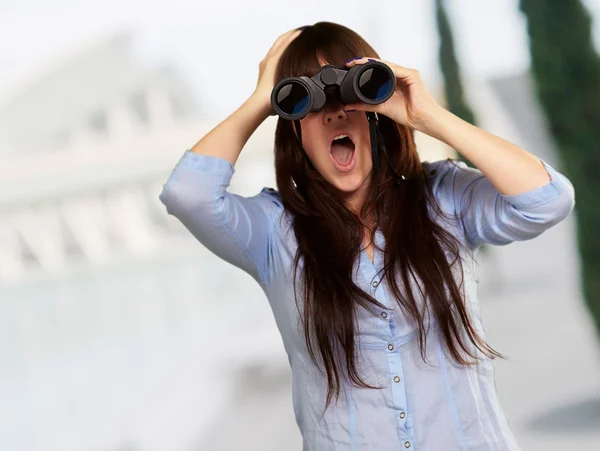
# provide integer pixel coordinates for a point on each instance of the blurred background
(120, 332)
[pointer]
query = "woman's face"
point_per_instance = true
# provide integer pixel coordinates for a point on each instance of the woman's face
(318, 131)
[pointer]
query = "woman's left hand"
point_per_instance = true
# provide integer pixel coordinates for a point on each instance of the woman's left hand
(410, 105)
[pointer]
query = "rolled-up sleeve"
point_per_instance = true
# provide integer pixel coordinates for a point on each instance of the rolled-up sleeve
(238, 229)
(488, 216)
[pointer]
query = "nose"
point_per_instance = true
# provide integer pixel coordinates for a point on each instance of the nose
(334, 110)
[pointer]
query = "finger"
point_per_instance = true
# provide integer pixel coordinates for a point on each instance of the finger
(399, 71)
(288, 34)
(283, 40)
(361, 60)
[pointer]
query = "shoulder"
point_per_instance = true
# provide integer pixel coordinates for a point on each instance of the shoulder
(439, 170)
(271, 195)
(271, 202)
(446, 176)
(439, 175)
(448, 179)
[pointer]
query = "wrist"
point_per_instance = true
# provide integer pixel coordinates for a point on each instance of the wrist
(432, 123)
(261, 105)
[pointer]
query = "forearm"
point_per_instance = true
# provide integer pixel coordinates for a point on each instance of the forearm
(509, 168)
(228, 138)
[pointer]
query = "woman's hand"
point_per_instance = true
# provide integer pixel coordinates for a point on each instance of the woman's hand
(268, 66)
(410, 105)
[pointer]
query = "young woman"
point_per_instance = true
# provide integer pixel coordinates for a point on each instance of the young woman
(371, 277)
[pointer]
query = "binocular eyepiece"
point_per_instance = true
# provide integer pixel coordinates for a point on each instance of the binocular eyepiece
(293, 98)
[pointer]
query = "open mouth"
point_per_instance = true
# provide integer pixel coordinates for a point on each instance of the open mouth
(342, 152)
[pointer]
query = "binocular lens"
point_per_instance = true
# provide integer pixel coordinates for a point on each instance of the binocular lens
(374, 83)
(292, 98)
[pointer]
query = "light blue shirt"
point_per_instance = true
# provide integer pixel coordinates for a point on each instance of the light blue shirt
(435, 407)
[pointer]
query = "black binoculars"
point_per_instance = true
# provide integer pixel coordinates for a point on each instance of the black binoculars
(294, 97)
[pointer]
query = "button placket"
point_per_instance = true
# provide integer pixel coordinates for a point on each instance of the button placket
(394, 360)
(398, 391)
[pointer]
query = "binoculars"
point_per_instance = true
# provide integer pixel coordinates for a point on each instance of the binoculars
(293, 98)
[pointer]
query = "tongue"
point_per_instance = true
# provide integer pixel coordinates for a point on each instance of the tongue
(342, 152)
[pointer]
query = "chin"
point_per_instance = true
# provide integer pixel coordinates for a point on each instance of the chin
(348, 184)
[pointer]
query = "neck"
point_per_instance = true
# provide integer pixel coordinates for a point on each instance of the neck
(355, 204)
(355, 200)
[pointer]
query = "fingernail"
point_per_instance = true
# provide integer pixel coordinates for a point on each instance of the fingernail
(371, 59)
(351, 59)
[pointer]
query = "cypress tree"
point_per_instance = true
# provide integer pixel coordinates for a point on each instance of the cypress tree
(566, 73)
(453, 89)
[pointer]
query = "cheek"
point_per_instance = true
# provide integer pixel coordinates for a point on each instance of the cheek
(313, 145)
(316, 152)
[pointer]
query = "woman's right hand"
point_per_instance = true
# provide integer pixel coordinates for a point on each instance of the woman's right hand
(268, 66)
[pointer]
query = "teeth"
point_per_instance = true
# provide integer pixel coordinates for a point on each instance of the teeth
(340, 137)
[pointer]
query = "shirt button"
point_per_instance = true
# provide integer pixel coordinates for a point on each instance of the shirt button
(391, 347)
(383, 315)
(402, 414)
(396, 379)
(407, 444)
(375, 283)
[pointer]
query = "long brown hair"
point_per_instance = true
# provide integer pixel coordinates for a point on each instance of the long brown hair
(329, 234)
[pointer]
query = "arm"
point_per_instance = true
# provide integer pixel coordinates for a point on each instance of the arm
(510, 169)
(227, 139)
(512, 195)
(235, 228)
(488, 216)
(238, 229)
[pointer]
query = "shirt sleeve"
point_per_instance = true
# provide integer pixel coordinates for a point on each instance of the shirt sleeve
(488, 216)
(238, 229)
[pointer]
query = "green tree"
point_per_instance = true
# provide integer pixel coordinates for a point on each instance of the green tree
(453, 89)
(566, 74)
